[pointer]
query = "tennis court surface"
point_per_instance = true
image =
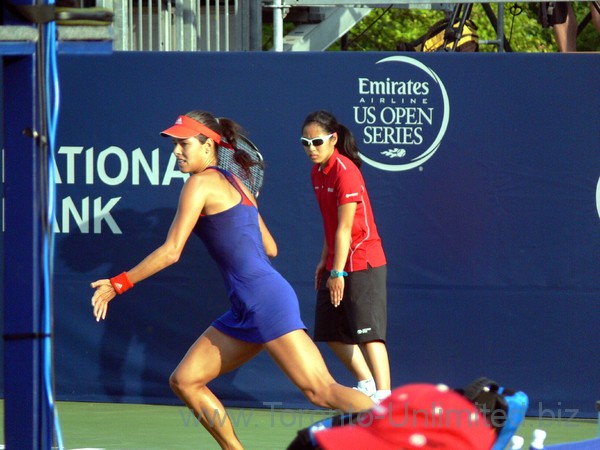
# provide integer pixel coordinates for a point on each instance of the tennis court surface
(120, 426)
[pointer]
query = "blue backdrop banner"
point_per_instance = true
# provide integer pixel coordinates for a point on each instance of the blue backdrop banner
(483, 171)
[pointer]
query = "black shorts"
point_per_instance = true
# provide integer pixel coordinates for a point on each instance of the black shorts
(362, 314)
(552, 13)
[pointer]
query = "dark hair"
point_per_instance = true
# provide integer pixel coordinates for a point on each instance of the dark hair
(229, 130)
(346, 143)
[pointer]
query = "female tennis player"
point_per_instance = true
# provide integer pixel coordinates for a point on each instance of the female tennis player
(350, 277)
(264, 311)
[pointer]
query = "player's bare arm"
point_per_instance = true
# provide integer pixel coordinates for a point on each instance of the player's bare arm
(343, 236)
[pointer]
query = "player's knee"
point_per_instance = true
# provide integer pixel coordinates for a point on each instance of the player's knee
(319, 395)
(316, 398)
(174, 382)
(181, 384)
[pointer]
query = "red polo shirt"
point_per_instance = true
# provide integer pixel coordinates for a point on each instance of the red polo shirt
(340, 182)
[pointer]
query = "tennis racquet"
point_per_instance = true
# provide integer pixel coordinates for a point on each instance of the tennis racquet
(249, 156)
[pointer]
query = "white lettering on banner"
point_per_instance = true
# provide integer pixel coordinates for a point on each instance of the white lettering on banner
(111, 166)
(408, 116)
(82, 216)
(102, 214)
(151, 171)
(392, 135)
(393, 116)
(70, 153)
(392, 101)
(173, 173)
(82, 220)
(403, 121)
(124, 166)
(390, 87)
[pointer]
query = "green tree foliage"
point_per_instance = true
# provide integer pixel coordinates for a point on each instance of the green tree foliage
(383, 29)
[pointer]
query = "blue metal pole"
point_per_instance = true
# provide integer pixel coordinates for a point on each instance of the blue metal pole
(27, 416)
(30, 111)
(22, 273)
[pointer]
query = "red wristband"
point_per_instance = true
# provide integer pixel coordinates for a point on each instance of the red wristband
(121, 283)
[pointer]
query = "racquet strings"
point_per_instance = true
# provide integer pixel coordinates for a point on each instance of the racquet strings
(253, 177)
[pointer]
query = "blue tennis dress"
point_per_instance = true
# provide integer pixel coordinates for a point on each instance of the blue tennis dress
(264, 305)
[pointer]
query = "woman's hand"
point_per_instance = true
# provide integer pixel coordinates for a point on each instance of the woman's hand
(336, 290)
(104, 293)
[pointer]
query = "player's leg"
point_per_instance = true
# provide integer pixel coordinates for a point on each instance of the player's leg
(299, 358)
(595, 11)
(352, 357)
(565, 28)
(332, 327)
(367, 310)
(378, 358)
(213, 354)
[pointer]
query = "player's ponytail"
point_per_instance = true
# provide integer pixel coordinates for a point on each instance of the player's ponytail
(231, 131)
(347, 145)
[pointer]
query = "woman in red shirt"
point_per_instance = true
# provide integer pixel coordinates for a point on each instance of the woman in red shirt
(350, 278)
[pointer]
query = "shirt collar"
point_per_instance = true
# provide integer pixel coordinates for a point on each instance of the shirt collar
(327, 168)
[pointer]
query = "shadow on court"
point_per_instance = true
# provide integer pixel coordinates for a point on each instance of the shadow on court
(147, 330)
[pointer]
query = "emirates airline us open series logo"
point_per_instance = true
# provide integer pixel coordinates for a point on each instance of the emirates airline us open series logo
(403, 113)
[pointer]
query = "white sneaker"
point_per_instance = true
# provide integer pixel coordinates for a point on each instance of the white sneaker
(379, 396)
(367, 387)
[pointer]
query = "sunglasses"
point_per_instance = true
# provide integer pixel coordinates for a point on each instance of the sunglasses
(318, 141)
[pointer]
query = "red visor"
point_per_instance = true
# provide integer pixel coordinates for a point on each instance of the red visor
(186, 127)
